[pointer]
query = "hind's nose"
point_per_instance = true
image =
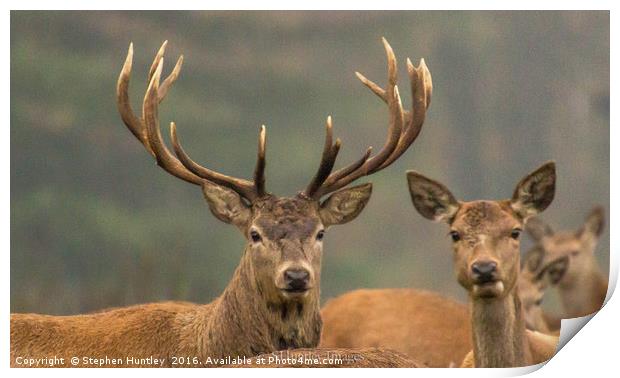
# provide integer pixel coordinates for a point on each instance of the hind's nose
(296, 279)
(484, 271)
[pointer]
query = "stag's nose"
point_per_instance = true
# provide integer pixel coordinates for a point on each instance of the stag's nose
(484, 271)
(296, 279)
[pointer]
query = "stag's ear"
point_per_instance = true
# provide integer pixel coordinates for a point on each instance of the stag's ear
(556, 269)
(226, 205)
(593, 228)
(432, 199)
(535, 192)
(344, 205)
(538, 229)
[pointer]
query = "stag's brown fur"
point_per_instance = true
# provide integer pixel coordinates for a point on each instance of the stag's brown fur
(332, 358)
(238, 323)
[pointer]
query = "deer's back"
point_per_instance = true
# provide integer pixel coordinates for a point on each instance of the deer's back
(140, 331)
(423, 325)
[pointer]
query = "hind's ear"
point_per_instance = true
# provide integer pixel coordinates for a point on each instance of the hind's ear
(431, 198)
(595, 223)
(344, 205)
(535, 192)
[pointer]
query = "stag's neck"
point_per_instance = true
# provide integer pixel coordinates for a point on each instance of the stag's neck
(498, 327)
(244, 321)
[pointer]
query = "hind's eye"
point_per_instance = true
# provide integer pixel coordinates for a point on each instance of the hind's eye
(255, 236)
(538, 302)
(320, 235)
(455, 236)
(515, 233)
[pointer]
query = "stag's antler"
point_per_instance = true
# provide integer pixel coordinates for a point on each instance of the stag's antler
(404, 127)
(146, 130)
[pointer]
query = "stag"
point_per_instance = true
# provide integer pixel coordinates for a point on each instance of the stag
(272, 301)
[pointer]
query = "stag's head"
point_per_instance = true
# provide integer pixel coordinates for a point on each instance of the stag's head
(284, 234)
(485, 234)
(576, 246)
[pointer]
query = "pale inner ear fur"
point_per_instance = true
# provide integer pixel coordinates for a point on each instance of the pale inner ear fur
(431, 198)
(227, 205)
(345, 205)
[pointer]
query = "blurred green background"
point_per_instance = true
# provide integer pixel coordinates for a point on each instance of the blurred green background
(95, 223)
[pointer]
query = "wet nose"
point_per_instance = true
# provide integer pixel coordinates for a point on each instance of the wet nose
(484, 271)
(296, 279)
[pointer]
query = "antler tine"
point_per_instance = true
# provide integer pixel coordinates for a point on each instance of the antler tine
(150, 115)
(328, 159)
(404, 126)
(133, 123)
(147, 130)
(259, 171)
(244, 187)
(421, 91)
(370, 165)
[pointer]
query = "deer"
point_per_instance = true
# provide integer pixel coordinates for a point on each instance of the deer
(272, 300)
(425, 325)
(486, 243)
(583, 287)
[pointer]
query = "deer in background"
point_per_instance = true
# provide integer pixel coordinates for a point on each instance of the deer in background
(433, 329)
(272, 301)
(485, 237)
(583, 287)
(537, 274)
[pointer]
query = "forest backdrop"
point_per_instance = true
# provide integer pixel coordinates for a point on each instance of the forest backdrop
(95, 223)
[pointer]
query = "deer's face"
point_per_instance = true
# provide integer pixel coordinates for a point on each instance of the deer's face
(485, 239)
(285, 235)
(485, 234)
(285, 245)
(576, 247)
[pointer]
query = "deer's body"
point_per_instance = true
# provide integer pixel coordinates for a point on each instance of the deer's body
(433, 329)
(272, 301)
(238, 323)
(424, 325)
(332, 358)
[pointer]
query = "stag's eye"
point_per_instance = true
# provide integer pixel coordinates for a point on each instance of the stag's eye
(455, 236)
(320, 235)
(538, 302)
(255, 236)
(515, 233)
(574, 253)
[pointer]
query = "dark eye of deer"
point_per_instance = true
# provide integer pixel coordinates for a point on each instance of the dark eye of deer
(320, 235)
(255, 236)
(538, 302)
(574, 253)
(515, 233)
(455, 236)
